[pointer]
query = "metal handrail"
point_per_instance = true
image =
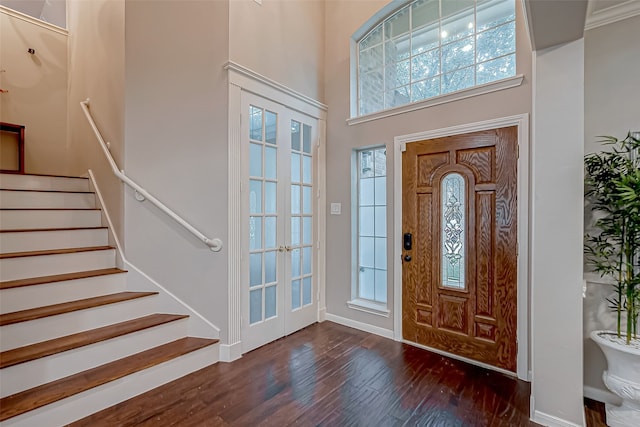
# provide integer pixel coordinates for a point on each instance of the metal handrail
(141, 194)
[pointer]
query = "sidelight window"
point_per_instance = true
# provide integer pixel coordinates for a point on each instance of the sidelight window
(371, 226)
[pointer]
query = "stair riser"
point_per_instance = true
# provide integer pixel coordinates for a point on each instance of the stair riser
(46, 265)
(31, 199)
(33, 182)
(38, 219)
(33, 331)
(83, 404)
(58, 239)
(26, 297)
(30, 374)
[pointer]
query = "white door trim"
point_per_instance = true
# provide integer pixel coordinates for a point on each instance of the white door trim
(243, 79)
(522, 122)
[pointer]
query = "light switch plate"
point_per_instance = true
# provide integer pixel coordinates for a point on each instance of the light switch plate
(336, 208)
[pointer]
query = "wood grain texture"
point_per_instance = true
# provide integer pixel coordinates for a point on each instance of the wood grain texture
(45, 394)
(58, 345)
(30, 230)
(54, 252)
(478, 322)
(31, 281)
(330, 375)
(68, 307)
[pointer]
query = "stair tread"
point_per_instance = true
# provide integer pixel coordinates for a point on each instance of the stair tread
(45, 394)
(29, 190)
(29, 230)
(49, 209)
(54, 251)
(80, 339)
(68, 307)
(8, 284)
(50, 176)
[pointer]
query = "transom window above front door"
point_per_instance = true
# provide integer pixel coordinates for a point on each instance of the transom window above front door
(430, 48)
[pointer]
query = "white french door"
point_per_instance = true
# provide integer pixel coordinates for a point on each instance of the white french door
(279, 285)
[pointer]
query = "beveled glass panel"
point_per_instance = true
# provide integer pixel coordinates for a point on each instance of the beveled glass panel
(270, 197)
(295, 199)
(255, 232)
(270, 267)
(381, 285)
(295, 262)
(306, 260)
(367, 192)
(307, 206)
(306, 169)
(295, 231)
(255, 159)
(367, 252)
(398, 24)
(295, 294)
(424, 12)
(452, 220)
(373, 38)
(306, 230)
(270, 230)
(306, 139)
(295, 135)
(496, 69)
(367, 221)
(381, 221)
(270, 301)
(381, 253)
(380, 192)
(255, 196)
(367, 283)
(270, 162)
(255, 306)
(255, 269)
(270, 127)
(306, 290)
(295, 167)
(255, 123)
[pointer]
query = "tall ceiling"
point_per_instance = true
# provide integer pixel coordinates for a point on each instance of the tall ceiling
(561, 21)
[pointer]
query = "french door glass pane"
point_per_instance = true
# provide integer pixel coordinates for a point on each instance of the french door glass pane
(295, 294)
(262, 200)
(306, 291)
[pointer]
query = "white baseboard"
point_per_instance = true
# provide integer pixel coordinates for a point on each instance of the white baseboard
(386, 333)
(552, 421)
(230, 352)
(601, 395)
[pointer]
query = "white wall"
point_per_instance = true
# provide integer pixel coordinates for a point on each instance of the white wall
(612, 61)
(96, 71)
(37, 86)
(282, 40)
(343, 18)
(556, 213)
(176, 146)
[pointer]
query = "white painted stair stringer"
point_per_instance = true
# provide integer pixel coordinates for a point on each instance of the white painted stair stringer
(42, 182)
(23, 267)
(26, 297)
(33, 331)
(14, 219)
(16, 199)
(81, 405)
(26, 375)
(25, 241)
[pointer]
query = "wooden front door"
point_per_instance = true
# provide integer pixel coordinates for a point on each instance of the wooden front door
(459, 247)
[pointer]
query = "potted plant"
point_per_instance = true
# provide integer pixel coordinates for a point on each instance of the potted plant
(612, 179)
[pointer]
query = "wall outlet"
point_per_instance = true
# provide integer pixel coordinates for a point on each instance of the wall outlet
(336, 208)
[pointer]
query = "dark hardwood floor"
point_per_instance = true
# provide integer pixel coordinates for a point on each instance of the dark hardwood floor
(330, 375)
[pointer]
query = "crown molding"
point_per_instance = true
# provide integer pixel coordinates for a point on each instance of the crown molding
(611, 14)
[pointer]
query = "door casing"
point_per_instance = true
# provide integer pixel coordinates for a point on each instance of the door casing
(523, 309)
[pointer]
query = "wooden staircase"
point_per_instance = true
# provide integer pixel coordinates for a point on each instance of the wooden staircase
(73, 339)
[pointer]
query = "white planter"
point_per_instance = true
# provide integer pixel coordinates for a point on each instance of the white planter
(622, 377)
